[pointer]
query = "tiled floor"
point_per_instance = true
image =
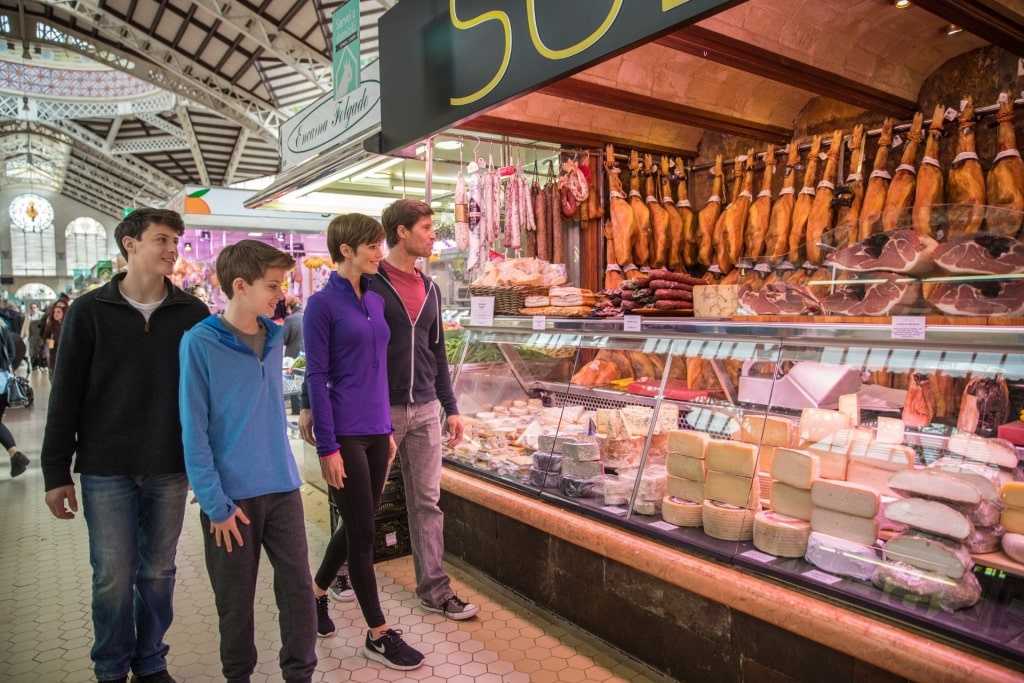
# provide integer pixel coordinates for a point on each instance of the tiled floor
(46, 630)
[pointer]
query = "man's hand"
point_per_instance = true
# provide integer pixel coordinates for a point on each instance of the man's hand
(62, 501)
(455, 431)
(333, 470)
(306, 426)
(224, 531)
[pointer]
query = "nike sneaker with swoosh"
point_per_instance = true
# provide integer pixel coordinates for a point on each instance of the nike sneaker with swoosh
(393, 652)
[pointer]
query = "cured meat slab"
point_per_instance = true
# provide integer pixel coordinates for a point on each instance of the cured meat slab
(982, 253)
(900, 251)
(987, 298)
(881, 294)
(780, 298)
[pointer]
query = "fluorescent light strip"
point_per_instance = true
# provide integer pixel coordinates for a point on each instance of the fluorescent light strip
(387, 163)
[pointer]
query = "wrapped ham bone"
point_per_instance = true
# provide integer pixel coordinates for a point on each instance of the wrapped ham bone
(985, 539)
(929, 587)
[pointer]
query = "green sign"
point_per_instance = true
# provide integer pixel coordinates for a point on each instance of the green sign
(126, 210)
(345, 32)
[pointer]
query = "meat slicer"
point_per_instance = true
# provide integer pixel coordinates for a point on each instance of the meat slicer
(806, 385)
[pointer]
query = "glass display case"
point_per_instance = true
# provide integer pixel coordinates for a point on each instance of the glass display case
(837, 459)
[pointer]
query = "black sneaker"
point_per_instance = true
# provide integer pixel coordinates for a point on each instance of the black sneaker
(19, 463)
(340, 590)
(324, 625)
(393, 652)
(453, 608)
(155, 677)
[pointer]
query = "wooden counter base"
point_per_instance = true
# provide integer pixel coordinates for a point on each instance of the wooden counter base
(862, 638)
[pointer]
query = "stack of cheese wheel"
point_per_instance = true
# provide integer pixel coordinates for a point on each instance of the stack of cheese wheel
(843, 528)
(684, 483)
(829, 435)
(732, 494)
(768, 433)
(872, 463)
(783, 530)
(1012, 520)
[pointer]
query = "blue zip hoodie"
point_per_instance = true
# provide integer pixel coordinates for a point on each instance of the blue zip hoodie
(233, 423)
(346, 363)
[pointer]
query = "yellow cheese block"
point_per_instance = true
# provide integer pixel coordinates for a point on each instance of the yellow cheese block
(1013, 494)
(732, 457)
(732, 489)
(685, 489)
(767, 430)
(796, 468)
(845, 496)
(685, 466)
(849, 404)
(857, 529)
(816, 423)
(890, 430)
(832, 459)
(873, 477)
(790, 501)
(688, 442)
(1012, 520)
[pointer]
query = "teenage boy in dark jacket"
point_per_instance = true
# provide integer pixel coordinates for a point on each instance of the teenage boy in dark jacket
(114, 410)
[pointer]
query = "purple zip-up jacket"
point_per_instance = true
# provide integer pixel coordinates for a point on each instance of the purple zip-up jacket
(346, 363)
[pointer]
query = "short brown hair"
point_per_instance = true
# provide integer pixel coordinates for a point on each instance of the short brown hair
(402, 212)
(352, 229)
(249, 260)
(135, 223)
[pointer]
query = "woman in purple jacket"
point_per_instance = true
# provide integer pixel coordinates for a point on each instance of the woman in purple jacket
(346, 339)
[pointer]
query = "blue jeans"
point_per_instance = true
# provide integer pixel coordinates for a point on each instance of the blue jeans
(134, 524)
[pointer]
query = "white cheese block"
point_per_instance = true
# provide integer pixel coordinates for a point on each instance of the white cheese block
(931, 553)
(573, 414)
(766, 430)
(583, 470)
(1013, 494)
(688, 442)
(732, 457)
(682, 512)
(780, 535)
(1012, 520)
(935, 485)
(647, 507)
(796, 468)
(872, 477)
(609, 421)
(844, 496)
(686, 467)
(883, 456)
(581, 451)
(841, 557)
(732, 489)
(652, 484)
(684, 489)
(1013, 546)
(816, 423)
(727, 522)
(857, 529)
(638, 419)
(931, 516)
(790, 501)
(999, 452)
(849, 405)
(890, 430)
(621, 453)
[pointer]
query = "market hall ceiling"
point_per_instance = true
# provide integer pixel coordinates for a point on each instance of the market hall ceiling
(205, 83)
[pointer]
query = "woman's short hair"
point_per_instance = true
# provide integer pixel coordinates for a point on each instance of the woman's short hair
(352, 229)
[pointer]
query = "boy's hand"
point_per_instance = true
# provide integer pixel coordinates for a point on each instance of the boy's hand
(306, 426)
(62, 501)
(224, 531)
(333, 470)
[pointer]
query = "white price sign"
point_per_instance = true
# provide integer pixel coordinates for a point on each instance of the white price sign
(908, 327)
(481, 311)
(540, 322)
(631, 323)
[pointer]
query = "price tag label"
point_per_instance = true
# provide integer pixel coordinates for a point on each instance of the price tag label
(908, 327)
(758, 556)
(481, 311)
(632, 323)
(821, 577)
(664, 526)
(951, 113)
(540, 322)
(896, 141)
(615, 510)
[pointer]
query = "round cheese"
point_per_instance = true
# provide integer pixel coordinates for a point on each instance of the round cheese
(779, 535)
(1013, 545)
(727, 522)
(681, 512)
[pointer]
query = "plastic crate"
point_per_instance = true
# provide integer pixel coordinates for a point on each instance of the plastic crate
(391, 539)
(392, 500)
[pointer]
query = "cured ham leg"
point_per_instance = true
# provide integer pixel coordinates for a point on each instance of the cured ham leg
(820, 219)
(965, 186)
(850, 197)
(931, 185)
(1005, 181)
(878, 184)
(717, 241)
(659, 217)
(760, 210)
(642, 241)
(919, 407)
(802, 208)
(691, 240)
(900, 196)
(734, 219)
(674, 258)
(777, 242)
(708, 217)
(623, 220)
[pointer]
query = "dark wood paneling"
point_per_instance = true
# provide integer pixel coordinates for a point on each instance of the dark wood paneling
(989, 19)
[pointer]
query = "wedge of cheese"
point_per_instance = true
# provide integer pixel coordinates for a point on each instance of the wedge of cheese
(890, 430)
(999, 452)
(857, 529)
(684, 489)
(935, 485)
(882, 455)
(873, 477)
(732, 490)
(816, 424)
(795, 468)
(985, 487)
(732, 457)
(790, 501)
(849, 405)
(685, 466)
(931, 516)
(844, 496)
(765, 430)
(931, 553)
(688, 442)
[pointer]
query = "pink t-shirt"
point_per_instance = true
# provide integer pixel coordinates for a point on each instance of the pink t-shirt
(411, 288)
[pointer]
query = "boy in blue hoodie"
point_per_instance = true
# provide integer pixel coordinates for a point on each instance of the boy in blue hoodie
(240, 464)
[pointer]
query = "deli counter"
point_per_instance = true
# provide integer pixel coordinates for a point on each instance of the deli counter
(854, 487)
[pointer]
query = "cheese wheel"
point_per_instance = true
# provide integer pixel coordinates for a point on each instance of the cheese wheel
(890, 430)
(986, 488)
(732, 457)
(790, 501)
(844, 496)
(765, 483)
(931, 553)
(681, 512)
(685, 466)
(795, 468)
(688, 442)
(999, 452)
(883, 456)
(872, 477)
(685, 489)
(816, 424)
(857, 529)
(780, 535)
(957, 463)
(1013, 546)
(931, 516)
(732, 489)
(1012, 520)
(765, 430)
(727, 522)
(1013, 494)
(935, 485)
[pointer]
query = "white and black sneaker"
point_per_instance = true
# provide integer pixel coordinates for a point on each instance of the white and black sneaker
(452, 608)
(393, 652)
(340, 590)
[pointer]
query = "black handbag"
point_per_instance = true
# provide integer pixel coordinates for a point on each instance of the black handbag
(16, 396)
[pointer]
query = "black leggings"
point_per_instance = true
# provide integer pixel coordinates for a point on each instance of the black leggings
(6, 438)
(366, 469)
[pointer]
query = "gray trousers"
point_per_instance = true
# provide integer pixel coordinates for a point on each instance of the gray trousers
(276, 523)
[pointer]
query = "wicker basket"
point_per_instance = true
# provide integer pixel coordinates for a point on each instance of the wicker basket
(508, 300)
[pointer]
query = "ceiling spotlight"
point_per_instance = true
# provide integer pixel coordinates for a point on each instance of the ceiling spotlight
(280, 237)
(188, 246)
(901, 4)
(951, 29)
